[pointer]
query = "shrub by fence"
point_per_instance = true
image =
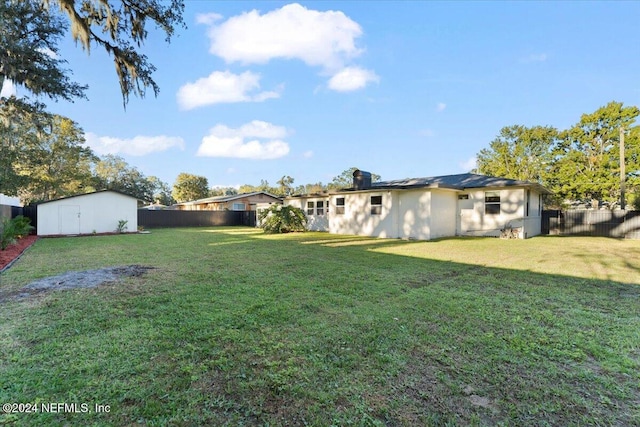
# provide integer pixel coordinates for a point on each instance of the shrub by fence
(606, 223)
(170, 218)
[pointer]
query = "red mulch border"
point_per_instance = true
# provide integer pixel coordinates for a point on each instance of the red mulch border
(13, 252)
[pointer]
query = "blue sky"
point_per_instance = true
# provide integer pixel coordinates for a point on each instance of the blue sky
(258, 90)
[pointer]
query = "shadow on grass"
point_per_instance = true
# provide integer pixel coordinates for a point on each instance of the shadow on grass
(486, 344)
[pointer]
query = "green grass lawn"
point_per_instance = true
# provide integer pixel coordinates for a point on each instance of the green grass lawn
(233, 327)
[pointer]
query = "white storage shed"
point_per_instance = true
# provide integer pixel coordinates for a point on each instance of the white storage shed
(98, 212)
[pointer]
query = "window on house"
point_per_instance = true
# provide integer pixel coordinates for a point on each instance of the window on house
(320, 207)
(340, 206)
(463, 197)
(526, 213)
(492, 202)
(238, 207)
(376, 205)
(310, 208)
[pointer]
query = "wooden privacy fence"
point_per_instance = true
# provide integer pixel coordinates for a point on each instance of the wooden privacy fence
(170, 218)
(30, 212)
(159, 219)
(606, 223)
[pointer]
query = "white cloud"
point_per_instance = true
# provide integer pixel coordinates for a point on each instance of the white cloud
(223, 87)
(208, 18)
(136, 146)
(325, 39)
(469, 164)
(534, 57)
(254, 140)
(50, 53)
(8, 89)
(352, 78)
(441, 107)
(307, 154)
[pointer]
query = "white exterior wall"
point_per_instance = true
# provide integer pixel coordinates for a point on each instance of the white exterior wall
(315, 222)
(414, 219)
(430, 213)
(357, 218)
(533, 222)
(473, 221)
(406, 214)
(443, 213)
(96, 212)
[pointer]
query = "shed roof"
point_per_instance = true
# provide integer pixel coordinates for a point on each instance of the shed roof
(87, 194)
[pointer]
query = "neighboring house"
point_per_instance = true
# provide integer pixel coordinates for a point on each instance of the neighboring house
(6, 204)
(427, 208)
(157, 206)
(9, 201)
(236, 202)
(98, 212)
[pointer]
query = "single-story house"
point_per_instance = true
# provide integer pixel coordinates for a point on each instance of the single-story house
(157, 206)
(9, 201)
(236, 202)
(427, 208)
(97, 212)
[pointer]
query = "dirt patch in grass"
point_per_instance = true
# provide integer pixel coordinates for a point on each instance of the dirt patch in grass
(77, 280)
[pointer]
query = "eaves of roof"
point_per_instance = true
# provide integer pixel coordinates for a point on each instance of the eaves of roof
(88, 194)
(223, 199)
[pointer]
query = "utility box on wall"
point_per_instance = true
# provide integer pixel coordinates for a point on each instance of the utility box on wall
(99, 212)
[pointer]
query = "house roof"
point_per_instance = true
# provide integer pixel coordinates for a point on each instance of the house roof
(459, 182)
(462, 181)
(87, 194)
(224, 199)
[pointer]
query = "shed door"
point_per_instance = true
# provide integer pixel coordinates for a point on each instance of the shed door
(69, 219)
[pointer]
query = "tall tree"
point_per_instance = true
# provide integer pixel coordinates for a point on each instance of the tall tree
(29, 37)
(345, 179)
(318, 187)
(190, 187)
(223, 191)
(114, 173)
(264, 186)
(519, 152)
(587, 165)
(60, 165)
(161, 191)
(285, 186)
(632, 157)
(21, 125)
(31, 30)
